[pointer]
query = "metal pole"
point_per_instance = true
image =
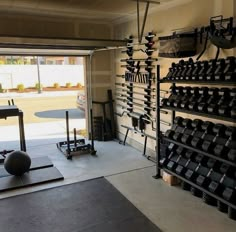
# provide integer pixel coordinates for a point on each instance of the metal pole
(67, 133)
(39, 82)
(90, 96)
(139, 39)
(144, 21)
(158, 125)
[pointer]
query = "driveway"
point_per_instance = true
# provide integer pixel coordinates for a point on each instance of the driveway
(44, 118)
(43, 107)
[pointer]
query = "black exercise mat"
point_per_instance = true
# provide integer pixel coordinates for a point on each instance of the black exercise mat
(89, 206)
(30, 178)
(36, 163)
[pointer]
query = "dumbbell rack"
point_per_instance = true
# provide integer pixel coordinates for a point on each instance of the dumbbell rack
(206, 192)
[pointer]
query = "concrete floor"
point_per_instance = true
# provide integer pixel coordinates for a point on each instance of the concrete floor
(170, 208)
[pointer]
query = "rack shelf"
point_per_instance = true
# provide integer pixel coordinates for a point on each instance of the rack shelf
(200, 152)
(222, 83)
(199, 113)
(200, 188)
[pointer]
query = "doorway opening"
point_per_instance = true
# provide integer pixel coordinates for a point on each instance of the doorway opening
(43, 88)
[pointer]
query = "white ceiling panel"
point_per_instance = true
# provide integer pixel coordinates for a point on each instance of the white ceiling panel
(108, 11)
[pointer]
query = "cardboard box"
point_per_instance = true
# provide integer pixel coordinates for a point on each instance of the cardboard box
(169, 179)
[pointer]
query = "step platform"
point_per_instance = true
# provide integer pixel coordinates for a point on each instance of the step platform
(41, 171)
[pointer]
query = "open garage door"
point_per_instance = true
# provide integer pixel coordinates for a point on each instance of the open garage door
(10, 45)
(28, 46)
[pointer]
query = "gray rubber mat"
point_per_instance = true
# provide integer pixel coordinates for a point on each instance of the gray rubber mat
(31, 178)
(36, 163)
(89, 206)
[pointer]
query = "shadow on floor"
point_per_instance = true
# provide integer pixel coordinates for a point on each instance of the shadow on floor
(73, 113)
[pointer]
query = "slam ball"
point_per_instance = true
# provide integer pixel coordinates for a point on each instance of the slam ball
(17, 163)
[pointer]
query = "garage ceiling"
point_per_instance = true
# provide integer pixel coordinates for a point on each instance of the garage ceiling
(103, 10)
(106, 11)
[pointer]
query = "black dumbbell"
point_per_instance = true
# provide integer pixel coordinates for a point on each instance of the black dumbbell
(197, 124)
(195, 192)
(180, 68)
(232, 97)
(231, 143)
(190, 174)
(230, 66)
(219, 72)
(184, 99)
(177, 122)
(209, 104)
(181, 94)
(189, 154)
(187, 69)
(222, 207)
(172, 164)
(229, 192)
(225, 98)
(171, 72)
(208, 143)
(180, 125)
(209, 199)
(206, 127)
(193, 72)
(215, 67)
(167, 152)
(213, 105)
(209, 72)
(213, 164)
(220, 140)
(201, 159)
(193, 97)
(215, 185)
(192, 132)
(187, 133)
(202, 179)
(232, 155)
(176, 93)
(192, 101)
(226, 169)
(233, 112)
(203, 71)
(203, 92)
(181, 169)
(232, 103)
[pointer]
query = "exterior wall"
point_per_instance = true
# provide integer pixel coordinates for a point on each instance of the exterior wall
(192, 14)
(12, 75)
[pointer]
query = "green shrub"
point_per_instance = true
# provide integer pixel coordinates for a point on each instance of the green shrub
(38, 86)
(79, 86)
(68, 85)
(56, 86)
(20, 87)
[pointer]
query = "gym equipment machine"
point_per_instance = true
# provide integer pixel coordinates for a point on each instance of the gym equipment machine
(76, 146)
